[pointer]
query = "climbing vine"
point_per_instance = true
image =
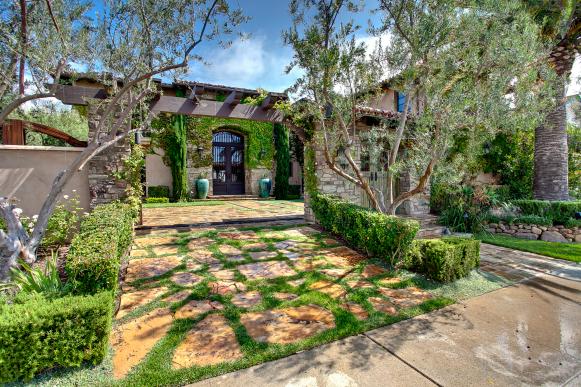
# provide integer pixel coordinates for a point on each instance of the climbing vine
(258, 143)
(171, 136)
(282, 155)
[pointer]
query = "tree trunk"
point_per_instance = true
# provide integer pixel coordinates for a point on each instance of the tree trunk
(551, 180)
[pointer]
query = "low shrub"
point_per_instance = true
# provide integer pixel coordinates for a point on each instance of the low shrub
(40, 334)
(156, 200)
(94, 257)
(158, 191)
(462, 209)
(445, 259)
(572, 223)
(522, 219)
(377, 234)
(559, 211)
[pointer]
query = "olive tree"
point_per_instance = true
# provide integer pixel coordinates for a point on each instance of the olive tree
(125, 44)
(470, 70)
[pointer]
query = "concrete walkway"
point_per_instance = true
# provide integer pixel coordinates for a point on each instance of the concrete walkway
(526, 334)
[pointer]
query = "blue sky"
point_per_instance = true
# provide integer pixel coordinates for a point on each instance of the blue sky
(260, 60)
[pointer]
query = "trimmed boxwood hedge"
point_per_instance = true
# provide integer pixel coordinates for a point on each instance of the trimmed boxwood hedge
(95, 254)
(158, 191)
(445, 259)
(40, 334)
(560, 212)
(156, 200)
(377, 234)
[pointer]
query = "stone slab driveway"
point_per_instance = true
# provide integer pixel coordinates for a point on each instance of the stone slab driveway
(221, 211)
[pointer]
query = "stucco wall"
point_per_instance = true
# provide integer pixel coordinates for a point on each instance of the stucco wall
(156, 172)
(27, 173)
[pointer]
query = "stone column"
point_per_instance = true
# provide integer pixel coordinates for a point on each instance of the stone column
(103, 186)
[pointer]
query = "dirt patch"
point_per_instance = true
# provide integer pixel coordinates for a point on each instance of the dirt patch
(132, 341)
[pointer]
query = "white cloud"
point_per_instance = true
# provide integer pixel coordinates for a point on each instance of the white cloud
(249, 63)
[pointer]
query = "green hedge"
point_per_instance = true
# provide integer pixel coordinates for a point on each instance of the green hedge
(523, 219)
(41, 334)
(444, 259)
(559, 212)
(377, 234)
(158, 191)
(156, 200)
(95, 254)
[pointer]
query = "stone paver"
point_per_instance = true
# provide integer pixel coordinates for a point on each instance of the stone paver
(247, 300)
(132, 341)
(150, 267)
(196, 308)
(284, 326)
(133, 300)
(199, 243)
(332, 289)
(373, 271)
(227, 210)
(147, 242)
(211, 341)
(224, 274)
(229, 250)
(359, 311)
(281, 296)
(406, 297)
(256, 246)
(263, 255)
(186, 279)
(179, 296)
(266, 270)
(165, 249)
(224, 287)
(382, 305)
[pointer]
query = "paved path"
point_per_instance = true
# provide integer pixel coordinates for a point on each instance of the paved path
(517, 265)
(227, 210)
(524, 334)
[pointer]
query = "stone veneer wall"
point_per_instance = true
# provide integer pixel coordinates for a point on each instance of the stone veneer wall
(534, 232)
(331, 183)
(103, 187)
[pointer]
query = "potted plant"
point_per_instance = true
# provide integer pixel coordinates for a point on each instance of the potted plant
(202, 185)
(264, 185)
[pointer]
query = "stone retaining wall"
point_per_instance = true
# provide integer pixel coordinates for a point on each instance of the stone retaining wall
(534, 232)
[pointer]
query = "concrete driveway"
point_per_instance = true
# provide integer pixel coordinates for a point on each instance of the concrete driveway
(526, 334)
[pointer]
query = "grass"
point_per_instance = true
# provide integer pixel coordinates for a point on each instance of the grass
(568, 251)
(156, 368)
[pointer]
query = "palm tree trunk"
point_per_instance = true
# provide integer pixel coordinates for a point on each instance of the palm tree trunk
(551, 180)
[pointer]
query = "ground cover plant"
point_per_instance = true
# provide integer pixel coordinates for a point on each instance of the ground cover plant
(197, 278)
(567, 251)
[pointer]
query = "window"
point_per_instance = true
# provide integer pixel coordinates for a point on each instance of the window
(400, 102)
(365, 162)
(291, 169)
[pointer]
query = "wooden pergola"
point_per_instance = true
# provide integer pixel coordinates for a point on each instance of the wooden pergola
(195, 102)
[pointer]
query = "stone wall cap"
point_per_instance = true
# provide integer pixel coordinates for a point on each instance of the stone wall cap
(41, 148)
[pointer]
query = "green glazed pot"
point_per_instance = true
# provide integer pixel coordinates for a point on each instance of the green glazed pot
(202, 186)
(264, 184)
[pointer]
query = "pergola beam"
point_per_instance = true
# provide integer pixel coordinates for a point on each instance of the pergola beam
(268, 102)
(78, 95)
(233, 98)
(205, 108)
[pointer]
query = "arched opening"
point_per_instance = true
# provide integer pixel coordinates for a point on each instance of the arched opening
(228, 163)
